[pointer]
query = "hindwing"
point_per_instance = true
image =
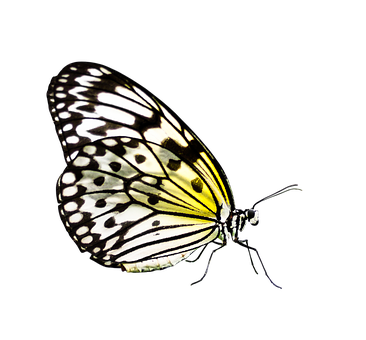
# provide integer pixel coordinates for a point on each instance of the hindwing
(126, 201)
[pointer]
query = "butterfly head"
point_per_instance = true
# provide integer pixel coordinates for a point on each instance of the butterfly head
(239, 219)
(252, 216)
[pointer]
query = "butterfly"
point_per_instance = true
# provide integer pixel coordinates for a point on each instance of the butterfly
(140, 191)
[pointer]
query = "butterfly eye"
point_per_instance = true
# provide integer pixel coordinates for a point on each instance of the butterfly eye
(250, 213)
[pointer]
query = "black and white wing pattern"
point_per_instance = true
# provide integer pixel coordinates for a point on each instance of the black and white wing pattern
(140, 190)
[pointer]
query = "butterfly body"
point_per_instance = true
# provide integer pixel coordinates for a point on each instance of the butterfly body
(140, 191)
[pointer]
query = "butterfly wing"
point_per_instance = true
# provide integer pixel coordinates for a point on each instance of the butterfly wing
(140, 186)
(123, 201)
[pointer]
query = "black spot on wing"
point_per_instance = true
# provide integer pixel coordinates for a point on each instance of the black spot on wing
(100, 203)
(174, 165)
(99, 131)
(197, 185)
(190, 153)
(140, 159)
(115, 166)
(153, 199)
(110, 222)
(99, 181)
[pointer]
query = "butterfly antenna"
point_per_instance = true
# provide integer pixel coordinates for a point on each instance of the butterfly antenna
(288, 188)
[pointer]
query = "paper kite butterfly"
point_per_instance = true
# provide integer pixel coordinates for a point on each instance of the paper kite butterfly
(140, 192)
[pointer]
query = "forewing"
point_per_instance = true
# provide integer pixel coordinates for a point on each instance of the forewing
(89, 102)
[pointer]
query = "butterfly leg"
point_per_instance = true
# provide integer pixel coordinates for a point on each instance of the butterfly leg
(244, 243)
(206, 270)
(199, 255)
(224, 244)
